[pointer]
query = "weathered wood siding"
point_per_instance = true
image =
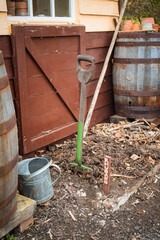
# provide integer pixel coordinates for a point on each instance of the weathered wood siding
(4, 30)
(99, 7)
(46, 84)
(97, 15)
(97, 45)
(39, 106)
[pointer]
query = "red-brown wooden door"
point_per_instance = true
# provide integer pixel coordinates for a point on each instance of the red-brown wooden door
(46, 84)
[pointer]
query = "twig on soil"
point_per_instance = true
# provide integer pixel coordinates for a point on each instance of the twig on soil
(152, 173)
(136, 123)
(157, 176)
(63, 196)
(97, 232)
(146, 122)
(72, 216)
(156, 189)
(123, 176)
(135, 126)
(50, 234)
(47, 220)
(114, 204)
(93, 238)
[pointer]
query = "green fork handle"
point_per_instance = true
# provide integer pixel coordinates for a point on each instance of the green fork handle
(79, 144)
(83, 76)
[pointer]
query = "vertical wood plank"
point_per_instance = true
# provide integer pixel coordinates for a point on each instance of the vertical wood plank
(19, 59)
(4, 30)
(3, 6)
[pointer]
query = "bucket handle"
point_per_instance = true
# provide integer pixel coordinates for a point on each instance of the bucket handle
(39, 171)
(43, 169)
(58, 168)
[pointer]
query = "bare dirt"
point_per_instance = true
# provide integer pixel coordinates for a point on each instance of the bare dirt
(78, 210)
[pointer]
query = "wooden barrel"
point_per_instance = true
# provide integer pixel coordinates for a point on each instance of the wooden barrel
(21, 8)
(8, 149)
(136, 75)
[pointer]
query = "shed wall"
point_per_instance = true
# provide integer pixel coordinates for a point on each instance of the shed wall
(95, 15)
(96, 44)
(4, 29)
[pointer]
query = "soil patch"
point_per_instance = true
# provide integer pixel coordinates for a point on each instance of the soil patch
(77, 209)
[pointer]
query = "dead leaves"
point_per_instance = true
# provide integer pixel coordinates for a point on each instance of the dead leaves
(151, 160)
(139, 131)
(50, 234)
(134, 157)
(140, 212)
(118, 134)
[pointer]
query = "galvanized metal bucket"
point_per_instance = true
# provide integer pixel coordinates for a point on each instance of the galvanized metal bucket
(35, 179)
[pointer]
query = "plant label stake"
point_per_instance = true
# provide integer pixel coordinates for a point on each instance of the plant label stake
(106, 178)
(84, 76)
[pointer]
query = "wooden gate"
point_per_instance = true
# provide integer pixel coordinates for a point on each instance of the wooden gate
(44, 59)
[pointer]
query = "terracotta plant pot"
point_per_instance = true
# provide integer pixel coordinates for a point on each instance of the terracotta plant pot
(159, 29)
(21, 9)
(135, 27)
(21, 5)
(127, 25)
(155, 27)
(147, 20)
(11, 8)
(10, 4)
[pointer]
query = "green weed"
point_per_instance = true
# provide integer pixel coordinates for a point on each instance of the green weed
(9, 237)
